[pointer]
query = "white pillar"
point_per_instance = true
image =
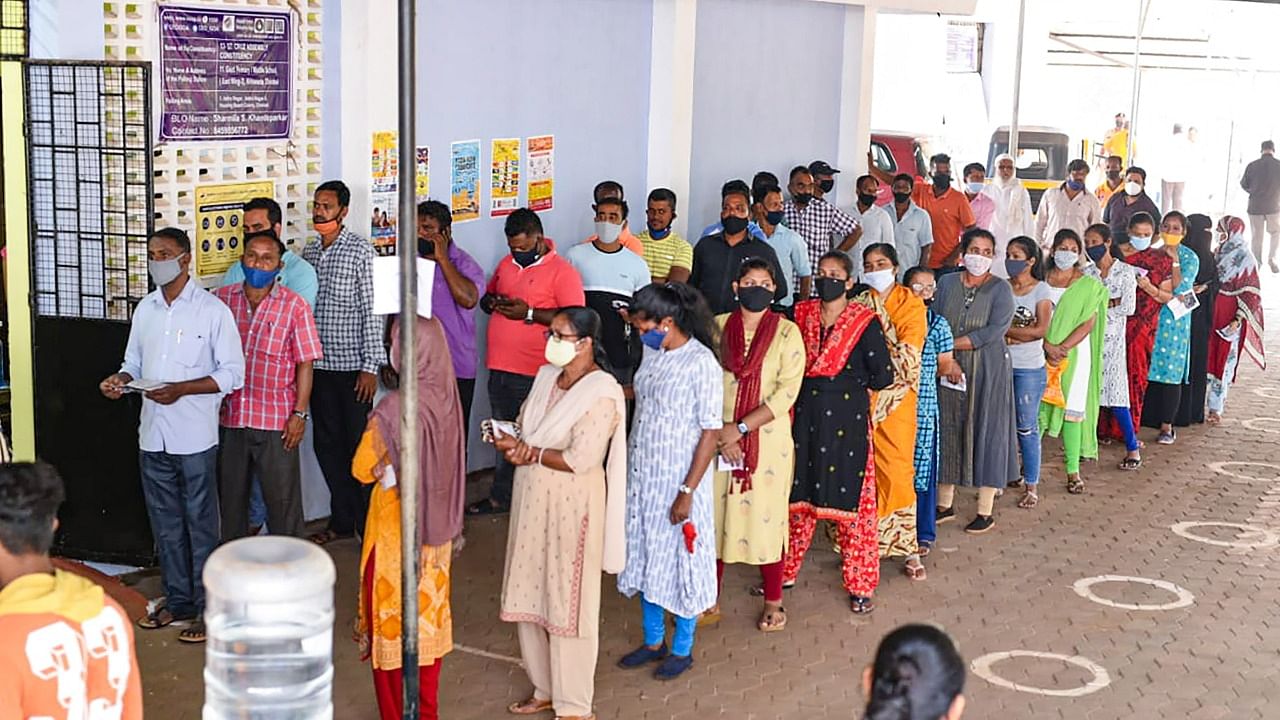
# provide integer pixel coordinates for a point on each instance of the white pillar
(671, 101)
(367, 106)
(853, 138)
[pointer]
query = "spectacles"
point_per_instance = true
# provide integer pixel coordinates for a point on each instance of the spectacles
(923, 289)
(562, 338)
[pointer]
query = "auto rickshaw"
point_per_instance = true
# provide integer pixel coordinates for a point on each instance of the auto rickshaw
(1041, 160)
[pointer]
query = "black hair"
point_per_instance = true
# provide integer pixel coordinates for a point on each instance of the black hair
(1116, 157)
(757, 263)
(1102, 230)
(911, 273)
(337, 187)
(607, 186)
(1268, 145)
(586, 324)
(974, 233)
(663, 195)
(884, 249)
(275, 215)
(917, 675)
(940, 158)
(1141, 217)
(863, 178)
(764, 178)
(437, 211)
(621, 204)
(972, 167)
(268, 233)
(736, 187)
(1067, 234)
(178, 235)
(797, 170)
(30, 494)
(911, 181)
(763, 191)
(684, 305)
(1200, 235)
(522, 221)
(845, 261)
(1077, 164)
(1180, 216)
(1031, 249)
(1135, 169)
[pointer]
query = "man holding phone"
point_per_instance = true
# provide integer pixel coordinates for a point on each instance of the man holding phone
(527, 289)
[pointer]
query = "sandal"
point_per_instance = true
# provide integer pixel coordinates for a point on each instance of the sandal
(758, 590)
(1029, 500)
(710, 617)
(914, 569)
(324, 537)
(1075, 484)
(861, 605)
(769, 619)
(924, 548)
(532, 706)
(1213, 419)
(1130, 463)
(194, 633)
(486, 507)
(158, 618)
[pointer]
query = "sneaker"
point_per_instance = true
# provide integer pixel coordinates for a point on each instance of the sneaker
(642, 655)
(1167, 438)
(945, 514)
(980, 524)
(673, 667)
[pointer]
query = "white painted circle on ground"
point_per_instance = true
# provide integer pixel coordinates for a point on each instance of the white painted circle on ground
(1262, 424)
(1271, 392)
(982, 668)
(1084, 588)
(1269, 539)
(1221, 469)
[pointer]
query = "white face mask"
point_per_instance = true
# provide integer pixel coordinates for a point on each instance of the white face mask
(1132, 188)
(1065, 258)
(977, 264)
(878, 279)
(560, 352)
(974, 187)
(608, 232)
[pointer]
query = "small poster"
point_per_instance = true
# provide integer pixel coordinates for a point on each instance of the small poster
(218, 242)
(542, 172)
(422, 161)
(384, 170)
(504, 188)
(465, 176)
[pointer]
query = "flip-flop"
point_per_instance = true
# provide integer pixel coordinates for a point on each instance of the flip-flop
(531, 706)
(915, 572)
(194, 634)
(861, 605)
(158, 618)
(324, 537)
(763, 624)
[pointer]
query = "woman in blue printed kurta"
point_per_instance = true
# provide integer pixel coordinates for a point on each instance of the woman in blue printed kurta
(671, 540)
(938, 344)
(1171, 356)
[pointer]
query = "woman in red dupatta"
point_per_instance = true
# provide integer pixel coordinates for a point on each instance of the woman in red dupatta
(835, 476)
(1237, 315)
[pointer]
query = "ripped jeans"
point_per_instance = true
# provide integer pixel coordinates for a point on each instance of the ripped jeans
(1028, 390)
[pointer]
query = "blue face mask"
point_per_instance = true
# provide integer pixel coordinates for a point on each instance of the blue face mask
(259, 279)
(1140, 242)
(659, 234)
(653, 338)
(1075, 186)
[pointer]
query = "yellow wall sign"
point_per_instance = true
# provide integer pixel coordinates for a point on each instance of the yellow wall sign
(219, 238)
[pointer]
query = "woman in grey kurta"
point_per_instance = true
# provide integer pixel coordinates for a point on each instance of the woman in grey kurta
(977, 424)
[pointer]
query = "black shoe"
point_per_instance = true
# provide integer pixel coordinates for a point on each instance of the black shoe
(980, 524)
(673, 667)
(642, 655)
(945, 514)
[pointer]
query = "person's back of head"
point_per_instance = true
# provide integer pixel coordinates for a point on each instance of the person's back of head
(918, 675)
(1268, 146)
(30, 494)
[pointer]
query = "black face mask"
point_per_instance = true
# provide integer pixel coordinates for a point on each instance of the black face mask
(941, 181)
(826, 185)
(1113, 175)
(866, 198)
(801, 198)
(901, 197)
(733, 224)
(754, 298)
(774, 217)
(830, 288)
(525, 258)
(426, 248)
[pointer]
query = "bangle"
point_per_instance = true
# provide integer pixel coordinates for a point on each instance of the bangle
(540, 452)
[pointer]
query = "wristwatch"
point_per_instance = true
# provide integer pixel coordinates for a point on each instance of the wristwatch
(742, 428)
(528, 317)
(302, 414)
(685, 489)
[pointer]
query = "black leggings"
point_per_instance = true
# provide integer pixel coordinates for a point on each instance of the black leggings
(1162, 404)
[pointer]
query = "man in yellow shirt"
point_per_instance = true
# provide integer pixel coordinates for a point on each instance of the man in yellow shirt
(669, 256)
(1117, 140)
(1114, 181)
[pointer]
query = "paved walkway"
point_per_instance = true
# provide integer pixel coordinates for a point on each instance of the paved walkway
(1138, 649)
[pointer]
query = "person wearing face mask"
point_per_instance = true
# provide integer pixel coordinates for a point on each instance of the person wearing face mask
(298, 275)
(669, 256)
(611, 275)
(824, 179)
(345, 379)
(1074, 337)
(1123, 206)
(949, 212)
(822, 225)
(1069, 206)
(893, 409)
(526, 290)
(1154, 270)
(184, 344)
(1238, 322)
(936, 357)
(835, 471)
(670, 531)
(792, 252)
(263, 423)
(1171, 352)
(976, 423)
(717, 257)
(571, 470)
(1191, 406)
(611, 192)
(877, 226)
(1032, 309)
(983, 206)
(1114, 181)
(912, 227)
(763, 359)
(1013, 216)
(1121, 282)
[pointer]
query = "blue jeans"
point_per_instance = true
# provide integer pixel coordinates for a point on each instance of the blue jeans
(181, 493)
(927, 508)
(1028, 391)
(655, 629)
(257, 505)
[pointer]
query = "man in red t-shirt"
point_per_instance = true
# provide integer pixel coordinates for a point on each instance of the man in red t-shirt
(527, 289)
(66, 649)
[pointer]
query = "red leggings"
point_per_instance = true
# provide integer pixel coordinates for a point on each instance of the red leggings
(770, 575)
(388, 685)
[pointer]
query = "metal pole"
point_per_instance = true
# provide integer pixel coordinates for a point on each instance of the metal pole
(1017, 88)
(1143, 7)
(407, 242)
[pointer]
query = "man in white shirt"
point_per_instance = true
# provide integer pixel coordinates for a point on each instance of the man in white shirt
(1069, 205)
(877, 226)
(1178, 165)
(1013, 216)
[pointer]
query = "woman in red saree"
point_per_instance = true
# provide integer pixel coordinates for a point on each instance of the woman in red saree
(1237, 314)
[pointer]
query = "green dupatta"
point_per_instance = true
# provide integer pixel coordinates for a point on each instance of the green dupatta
(1084, 299)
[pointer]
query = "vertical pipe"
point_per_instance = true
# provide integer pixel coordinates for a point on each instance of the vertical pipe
(407, 242)
(1017, 89)
(1143, 7)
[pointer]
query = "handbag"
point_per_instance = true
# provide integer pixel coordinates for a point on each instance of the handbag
(1053, 387)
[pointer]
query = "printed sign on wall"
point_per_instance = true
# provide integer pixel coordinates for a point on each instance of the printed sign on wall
(542, 172)
(219, 239)
(465, 177)
(504, 189)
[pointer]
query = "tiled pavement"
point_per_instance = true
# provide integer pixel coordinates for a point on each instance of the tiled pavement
(1008, 590)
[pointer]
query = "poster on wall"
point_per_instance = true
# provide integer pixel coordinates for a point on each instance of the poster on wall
(384, 171)
(422, 164)
(218, 242)
(504, 187)
(225, 74)
(465, 180)
(541, 151)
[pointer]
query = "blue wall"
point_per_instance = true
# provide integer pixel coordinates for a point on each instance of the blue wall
(766, 93)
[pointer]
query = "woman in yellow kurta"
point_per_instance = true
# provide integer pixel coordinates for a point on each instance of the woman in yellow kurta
(894, 408)
(441, 487)
(763, 358)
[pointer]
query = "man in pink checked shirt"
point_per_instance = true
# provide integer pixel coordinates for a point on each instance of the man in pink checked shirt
(263, 422)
